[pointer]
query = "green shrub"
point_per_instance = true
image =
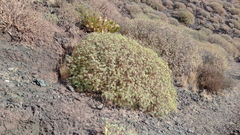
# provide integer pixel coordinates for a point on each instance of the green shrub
(168, 41)
(186, 17)
(100, 24)
(124, 72)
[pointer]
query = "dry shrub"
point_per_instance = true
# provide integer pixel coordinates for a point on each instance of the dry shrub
(230, 48)
(209, 26)
(197, 35)
(147, 9)
(173, 21)
(23, 24)
(134, 9)
(192, 6)
(168, 3)
(213, 19)
(211, 79)
(234, 23)
(160, 15)
(206, 30)
(170, 43)
(218, 8)
(211, 75)
(203, 13)
(225, 28)
(227, 37)
(69, 13)
(215, 55)
(155, 4)
(227, 5)
(235, 11)
(236, 42)
(179, 5)
(106, 8)
(236, 32)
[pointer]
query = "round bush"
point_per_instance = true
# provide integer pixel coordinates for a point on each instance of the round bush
(124, 72)
(186, 17)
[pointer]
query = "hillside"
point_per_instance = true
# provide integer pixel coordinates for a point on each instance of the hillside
(120, 67)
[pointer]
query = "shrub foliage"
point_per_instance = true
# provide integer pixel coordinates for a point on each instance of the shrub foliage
(124, 72)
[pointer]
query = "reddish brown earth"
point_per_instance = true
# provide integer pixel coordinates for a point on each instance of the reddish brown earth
(29, 109)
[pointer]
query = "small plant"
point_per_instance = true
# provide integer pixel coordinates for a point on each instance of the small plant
(186, 17)
(100, 25)
(115, 128)
(124, 72)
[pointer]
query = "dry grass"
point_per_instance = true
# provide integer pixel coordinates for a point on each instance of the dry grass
(23, 24)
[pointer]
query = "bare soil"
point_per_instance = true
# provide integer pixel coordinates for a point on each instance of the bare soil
(33, 101)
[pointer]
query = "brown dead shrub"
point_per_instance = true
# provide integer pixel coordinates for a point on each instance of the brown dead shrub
(211, 79)
(23, 24)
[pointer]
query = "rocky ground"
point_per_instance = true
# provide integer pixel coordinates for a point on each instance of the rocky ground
(33, 101)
